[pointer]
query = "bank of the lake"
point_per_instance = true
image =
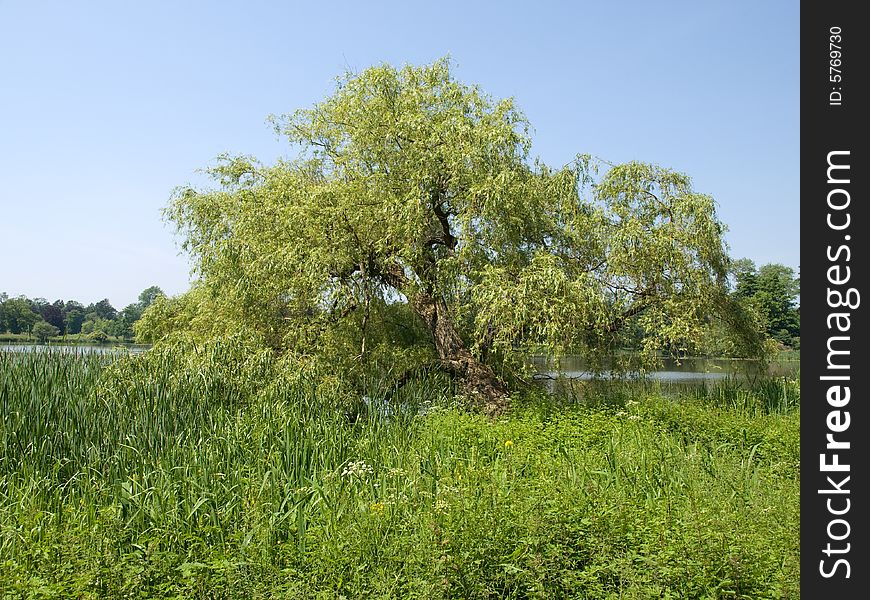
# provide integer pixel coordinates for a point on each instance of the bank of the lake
(69, 340)
(223, 475)
(63, 347)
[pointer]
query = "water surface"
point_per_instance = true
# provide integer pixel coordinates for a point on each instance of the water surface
(75, 348)
(685, 370)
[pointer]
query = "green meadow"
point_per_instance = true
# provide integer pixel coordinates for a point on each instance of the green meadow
(213, 472)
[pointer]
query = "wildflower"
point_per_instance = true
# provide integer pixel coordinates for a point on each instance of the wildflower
(634, 418)
(508, 443)
(632, 403)
(621, 413)
(357, 468)
(378, 508)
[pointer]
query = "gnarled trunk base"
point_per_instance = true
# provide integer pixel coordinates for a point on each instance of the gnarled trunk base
(485, 391)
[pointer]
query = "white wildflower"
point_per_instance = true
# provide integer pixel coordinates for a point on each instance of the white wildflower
(357, 468)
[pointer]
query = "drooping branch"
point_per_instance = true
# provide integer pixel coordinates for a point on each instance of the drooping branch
(643, 302)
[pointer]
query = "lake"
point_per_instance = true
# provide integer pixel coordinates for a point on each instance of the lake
(686, 370)
(80, 348)
(693, 370)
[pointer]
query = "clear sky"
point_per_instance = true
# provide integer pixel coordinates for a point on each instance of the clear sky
(106, 106)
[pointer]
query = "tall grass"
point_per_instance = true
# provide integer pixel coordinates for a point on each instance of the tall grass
(218, 471)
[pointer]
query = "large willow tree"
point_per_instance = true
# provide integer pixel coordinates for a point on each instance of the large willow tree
(410, 188)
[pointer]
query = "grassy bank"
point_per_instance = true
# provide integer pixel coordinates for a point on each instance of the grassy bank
(217, 474)
(73, 339)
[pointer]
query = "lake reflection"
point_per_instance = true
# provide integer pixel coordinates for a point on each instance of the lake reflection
(685, 370)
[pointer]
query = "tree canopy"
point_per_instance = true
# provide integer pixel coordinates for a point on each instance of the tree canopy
(43, 330)
(413, 199)
(772, 291)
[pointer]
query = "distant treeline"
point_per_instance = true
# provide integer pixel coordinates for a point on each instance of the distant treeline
(99, 321)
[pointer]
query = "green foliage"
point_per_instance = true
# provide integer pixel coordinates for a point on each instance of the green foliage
(97, 336)
(18, 315)
(103, 310)
(148, 296)
(124, 325)
(193, 312)
(772, 291)
(42, 331)
(221, 470)
(94, 325)
(74, 320)
(411, 187)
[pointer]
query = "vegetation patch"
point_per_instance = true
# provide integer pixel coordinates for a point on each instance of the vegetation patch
(216, 472)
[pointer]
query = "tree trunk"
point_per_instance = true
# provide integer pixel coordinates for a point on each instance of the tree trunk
(485, 391)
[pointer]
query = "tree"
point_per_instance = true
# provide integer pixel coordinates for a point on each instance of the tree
(772, 290)
(98, 336)
(148, 296)
(746, 278)
(42, 331)
(123, 325)
(17, 315)
(94, 324)
(781, 288)
(126, 319)
(103, 309)
(51, 313)
(412, 188)
(75, 316)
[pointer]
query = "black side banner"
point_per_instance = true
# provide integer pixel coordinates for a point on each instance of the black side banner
(835, 421)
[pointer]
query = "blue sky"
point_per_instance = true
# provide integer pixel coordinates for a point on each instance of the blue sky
(105, 107)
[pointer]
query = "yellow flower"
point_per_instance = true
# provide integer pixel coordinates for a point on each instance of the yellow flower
(378, 508)
(508, 443)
